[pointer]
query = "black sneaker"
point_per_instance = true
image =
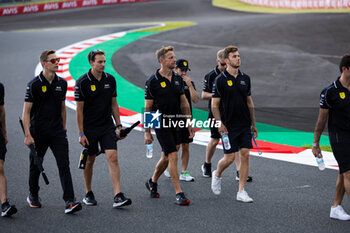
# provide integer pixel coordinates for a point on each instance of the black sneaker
(7, 210)
(206, 169)
(89, 199)
(72, 206)
(152, 187)
(249, 178)
(181, 199)
(34, 201)
(120, 200)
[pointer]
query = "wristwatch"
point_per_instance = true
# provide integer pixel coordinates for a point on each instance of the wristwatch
(120, 125)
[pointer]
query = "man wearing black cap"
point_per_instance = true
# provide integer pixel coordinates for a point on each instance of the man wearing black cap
(183, 134)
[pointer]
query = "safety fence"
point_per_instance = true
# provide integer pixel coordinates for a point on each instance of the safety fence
(301, 4)
(59, 5)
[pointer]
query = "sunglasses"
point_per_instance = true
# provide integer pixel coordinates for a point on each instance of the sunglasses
(54, 60)
(92, 53)
(222, 64)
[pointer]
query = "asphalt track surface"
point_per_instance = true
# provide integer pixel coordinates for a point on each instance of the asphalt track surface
(290, 58)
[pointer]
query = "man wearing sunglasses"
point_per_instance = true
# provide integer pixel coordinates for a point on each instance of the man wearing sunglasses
(6, 209)
(96, 98)
(44, 121)
(215, 135)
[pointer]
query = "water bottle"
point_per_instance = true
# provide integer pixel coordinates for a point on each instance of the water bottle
(149, 150)
(226, 142)
(320, 163)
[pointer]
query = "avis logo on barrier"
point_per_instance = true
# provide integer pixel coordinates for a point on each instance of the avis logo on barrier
(51, 6)
(151, 120)
(33, 8)
(10, 11)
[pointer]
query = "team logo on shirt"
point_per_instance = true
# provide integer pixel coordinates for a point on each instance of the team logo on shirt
(58, 88)
(229, 82)
(243, 83)
(163, 84)
(107, 85)
(93, 88)
(43, 88)
(342, 95)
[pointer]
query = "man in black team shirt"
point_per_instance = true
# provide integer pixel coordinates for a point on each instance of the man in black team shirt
(233, 105)
(335, 105)
(96, 97)
(165, 92)
(215, 135)
(6, 209)
(182, 67)
(44, 121)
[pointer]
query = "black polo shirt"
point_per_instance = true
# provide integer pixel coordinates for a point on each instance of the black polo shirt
(208, 85)
(166, 94)
(2, 96)
(233, 92)
(188, 94)
(336, 98)
(46, 113)
(97, 97)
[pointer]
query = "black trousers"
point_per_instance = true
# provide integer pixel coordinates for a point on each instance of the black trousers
(58, 143)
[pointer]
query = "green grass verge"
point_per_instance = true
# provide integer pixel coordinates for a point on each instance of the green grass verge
(169, 26)
(241, 6)
(132, 97)
(323, 147)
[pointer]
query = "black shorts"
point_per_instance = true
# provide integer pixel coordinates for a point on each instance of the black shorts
(107, 140)
(214, 132)
(183, 136)
(239, 138)
(168, 140)
(3, 149)
(341, 153)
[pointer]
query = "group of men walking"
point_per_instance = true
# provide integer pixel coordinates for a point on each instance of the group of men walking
(228, 92)
(171, 92)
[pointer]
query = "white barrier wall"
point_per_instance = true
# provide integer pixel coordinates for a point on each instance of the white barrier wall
(301, 4)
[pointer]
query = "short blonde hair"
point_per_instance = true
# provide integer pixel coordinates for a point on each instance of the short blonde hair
(220, 54)
(160, 53)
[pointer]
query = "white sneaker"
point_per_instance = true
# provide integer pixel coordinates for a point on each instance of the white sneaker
(166, 173)
(215, 183)
(186, 177)
(243, 196)
(339, 213)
